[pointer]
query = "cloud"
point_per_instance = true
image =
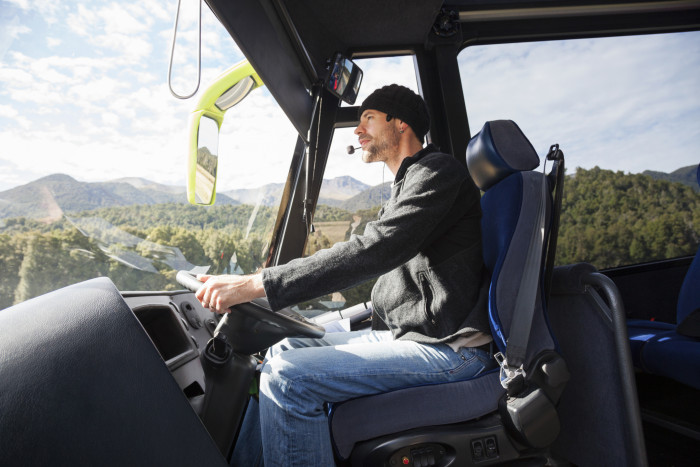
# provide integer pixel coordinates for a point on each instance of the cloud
(7, 111)
(89, 96)
(48, 9)
(383, 71)
(23, 4)
(11, 174)
(110, 119)
(121, 18)
(81, 21)
(14, 29)
(256, 139)
(606, 101)
(10, 29)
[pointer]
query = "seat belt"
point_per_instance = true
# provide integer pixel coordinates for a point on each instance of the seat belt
(512, 371)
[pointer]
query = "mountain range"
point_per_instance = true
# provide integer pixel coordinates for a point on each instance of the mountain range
(49, 197)
(334, 192)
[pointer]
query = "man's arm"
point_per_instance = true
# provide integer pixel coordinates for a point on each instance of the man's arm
(429, 194)
(405, 226)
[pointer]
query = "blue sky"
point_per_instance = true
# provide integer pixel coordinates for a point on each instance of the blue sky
(83, 91)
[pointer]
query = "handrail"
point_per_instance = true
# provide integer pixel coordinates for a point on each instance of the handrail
(172, 54)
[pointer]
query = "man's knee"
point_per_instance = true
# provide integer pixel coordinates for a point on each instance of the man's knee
(278, 375)
(290, 343)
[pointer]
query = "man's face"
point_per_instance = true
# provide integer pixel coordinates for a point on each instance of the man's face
(379, 139)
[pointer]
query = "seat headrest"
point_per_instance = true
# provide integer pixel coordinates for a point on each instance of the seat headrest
(498, 150)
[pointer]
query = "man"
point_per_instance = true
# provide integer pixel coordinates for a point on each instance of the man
(430, 296)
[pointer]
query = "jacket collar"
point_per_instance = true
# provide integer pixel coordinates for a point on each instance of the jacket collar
(409, 161)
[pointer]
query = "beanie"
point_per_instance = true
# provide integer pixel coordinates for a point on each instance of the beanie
(402, 103)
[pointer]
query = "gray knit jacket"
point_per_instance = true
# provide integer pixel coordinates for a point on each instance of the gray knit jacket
(425, 247)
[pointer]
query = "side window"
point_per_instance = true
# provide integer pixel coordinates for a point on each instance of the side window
(353, 191)
(625, 112)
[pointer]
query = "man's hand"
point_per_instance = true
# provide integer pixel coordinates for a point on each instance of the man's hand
(219, 293)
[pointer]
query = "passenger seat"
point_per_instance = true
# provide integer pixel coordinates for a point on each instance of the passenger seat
(672, 350)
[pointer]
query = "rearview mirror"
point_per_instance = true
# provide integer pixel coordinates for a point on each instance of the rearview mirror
(344, 79)
(230, 88)
(207, 161)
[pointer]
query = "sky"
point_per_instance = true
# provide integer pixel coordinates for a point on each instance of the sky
(83, 91)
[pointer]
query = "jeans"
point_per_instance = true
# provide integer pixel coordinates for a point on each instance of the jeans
(300, 375)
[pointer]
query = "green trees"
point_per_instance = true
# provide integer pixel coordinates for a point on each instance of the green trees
(608, 219)
(611, 219)
(12, 249)
(57, 259)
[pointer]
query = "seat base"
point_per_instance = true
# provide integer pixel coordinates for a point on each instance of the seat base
(640, 331)
(480, 442)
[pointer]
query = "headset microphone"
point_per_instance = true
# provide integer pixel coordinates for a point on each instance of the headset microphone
(351, 149)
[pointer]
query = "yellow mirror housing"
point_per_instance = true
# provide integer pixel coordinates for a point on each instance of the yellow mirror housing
(231, 87)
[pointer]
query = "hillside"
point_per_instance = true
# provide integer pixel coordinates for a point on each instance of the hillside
(51, 196)
(612, 218)
(685, 175)
(374, 196)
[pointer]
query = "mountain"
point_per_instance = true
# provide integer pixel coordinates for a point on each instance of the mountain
(342, 188)
(374, 196)
(267, 195)
(334, 192)
(49, 197)
(684, 175)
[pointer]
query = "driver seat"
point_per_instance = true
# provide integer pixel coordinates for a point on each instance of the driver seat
(471, 422)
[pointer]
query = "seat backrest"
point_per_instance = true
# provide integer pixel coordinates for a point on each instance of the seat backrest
(598, 409)
(500, 160)
(688, 309)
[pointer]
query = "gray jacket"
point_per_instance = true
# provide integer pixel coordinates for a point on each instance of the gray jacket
(425, 245)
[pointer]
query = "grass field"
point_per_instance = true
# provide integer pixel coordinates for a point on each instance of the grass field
(335, 231)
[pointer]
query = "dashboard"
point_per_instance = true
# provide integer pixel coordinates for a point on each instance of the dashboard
(180, 328)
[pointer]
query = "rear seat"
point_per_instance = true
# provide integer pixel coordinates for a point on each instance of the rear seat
(672, 350)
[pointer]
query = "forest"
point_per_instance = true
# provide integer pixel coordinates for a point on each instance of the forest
(608, 219)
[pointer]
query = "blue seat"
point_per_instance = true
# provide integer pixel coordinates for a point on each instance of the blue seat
(672, 350)
(474, 423)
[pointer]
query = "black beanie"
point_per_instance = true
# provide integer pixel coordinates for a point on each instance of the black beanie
(402, 103)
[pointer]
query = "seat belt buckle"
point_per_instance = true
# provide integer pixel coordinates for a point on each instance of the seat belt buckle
(512, 379)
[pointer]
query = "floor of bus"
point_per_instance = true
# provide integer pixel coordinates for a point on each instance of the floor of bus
(671, 421)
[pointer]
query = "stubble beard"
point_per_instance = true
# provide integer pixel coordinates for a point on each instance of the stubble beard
(380, 148)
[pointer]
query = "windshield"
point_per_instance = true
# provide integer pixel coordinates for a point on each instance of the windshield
(93, 161)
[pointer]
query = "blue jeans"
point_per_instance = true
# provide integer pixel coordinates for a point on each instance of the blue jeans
(300, 375)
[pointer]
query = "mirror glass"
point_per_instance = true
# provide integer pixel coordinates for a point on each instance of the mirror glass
(235, 93)
(207, 159)
(344, 79)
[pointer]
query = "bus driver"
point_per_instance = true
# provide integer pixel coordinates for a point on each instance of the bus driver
(430, 321)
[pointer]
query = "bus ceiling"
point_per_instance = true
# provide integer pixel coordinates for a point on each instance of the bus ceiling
(289, 43)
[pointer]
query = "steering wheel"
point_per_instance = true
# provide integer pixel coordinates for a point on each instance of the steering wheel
(253, 326)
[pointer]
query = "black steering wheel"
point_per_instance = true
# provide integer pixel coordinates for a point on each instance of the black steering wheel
(253, 326)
